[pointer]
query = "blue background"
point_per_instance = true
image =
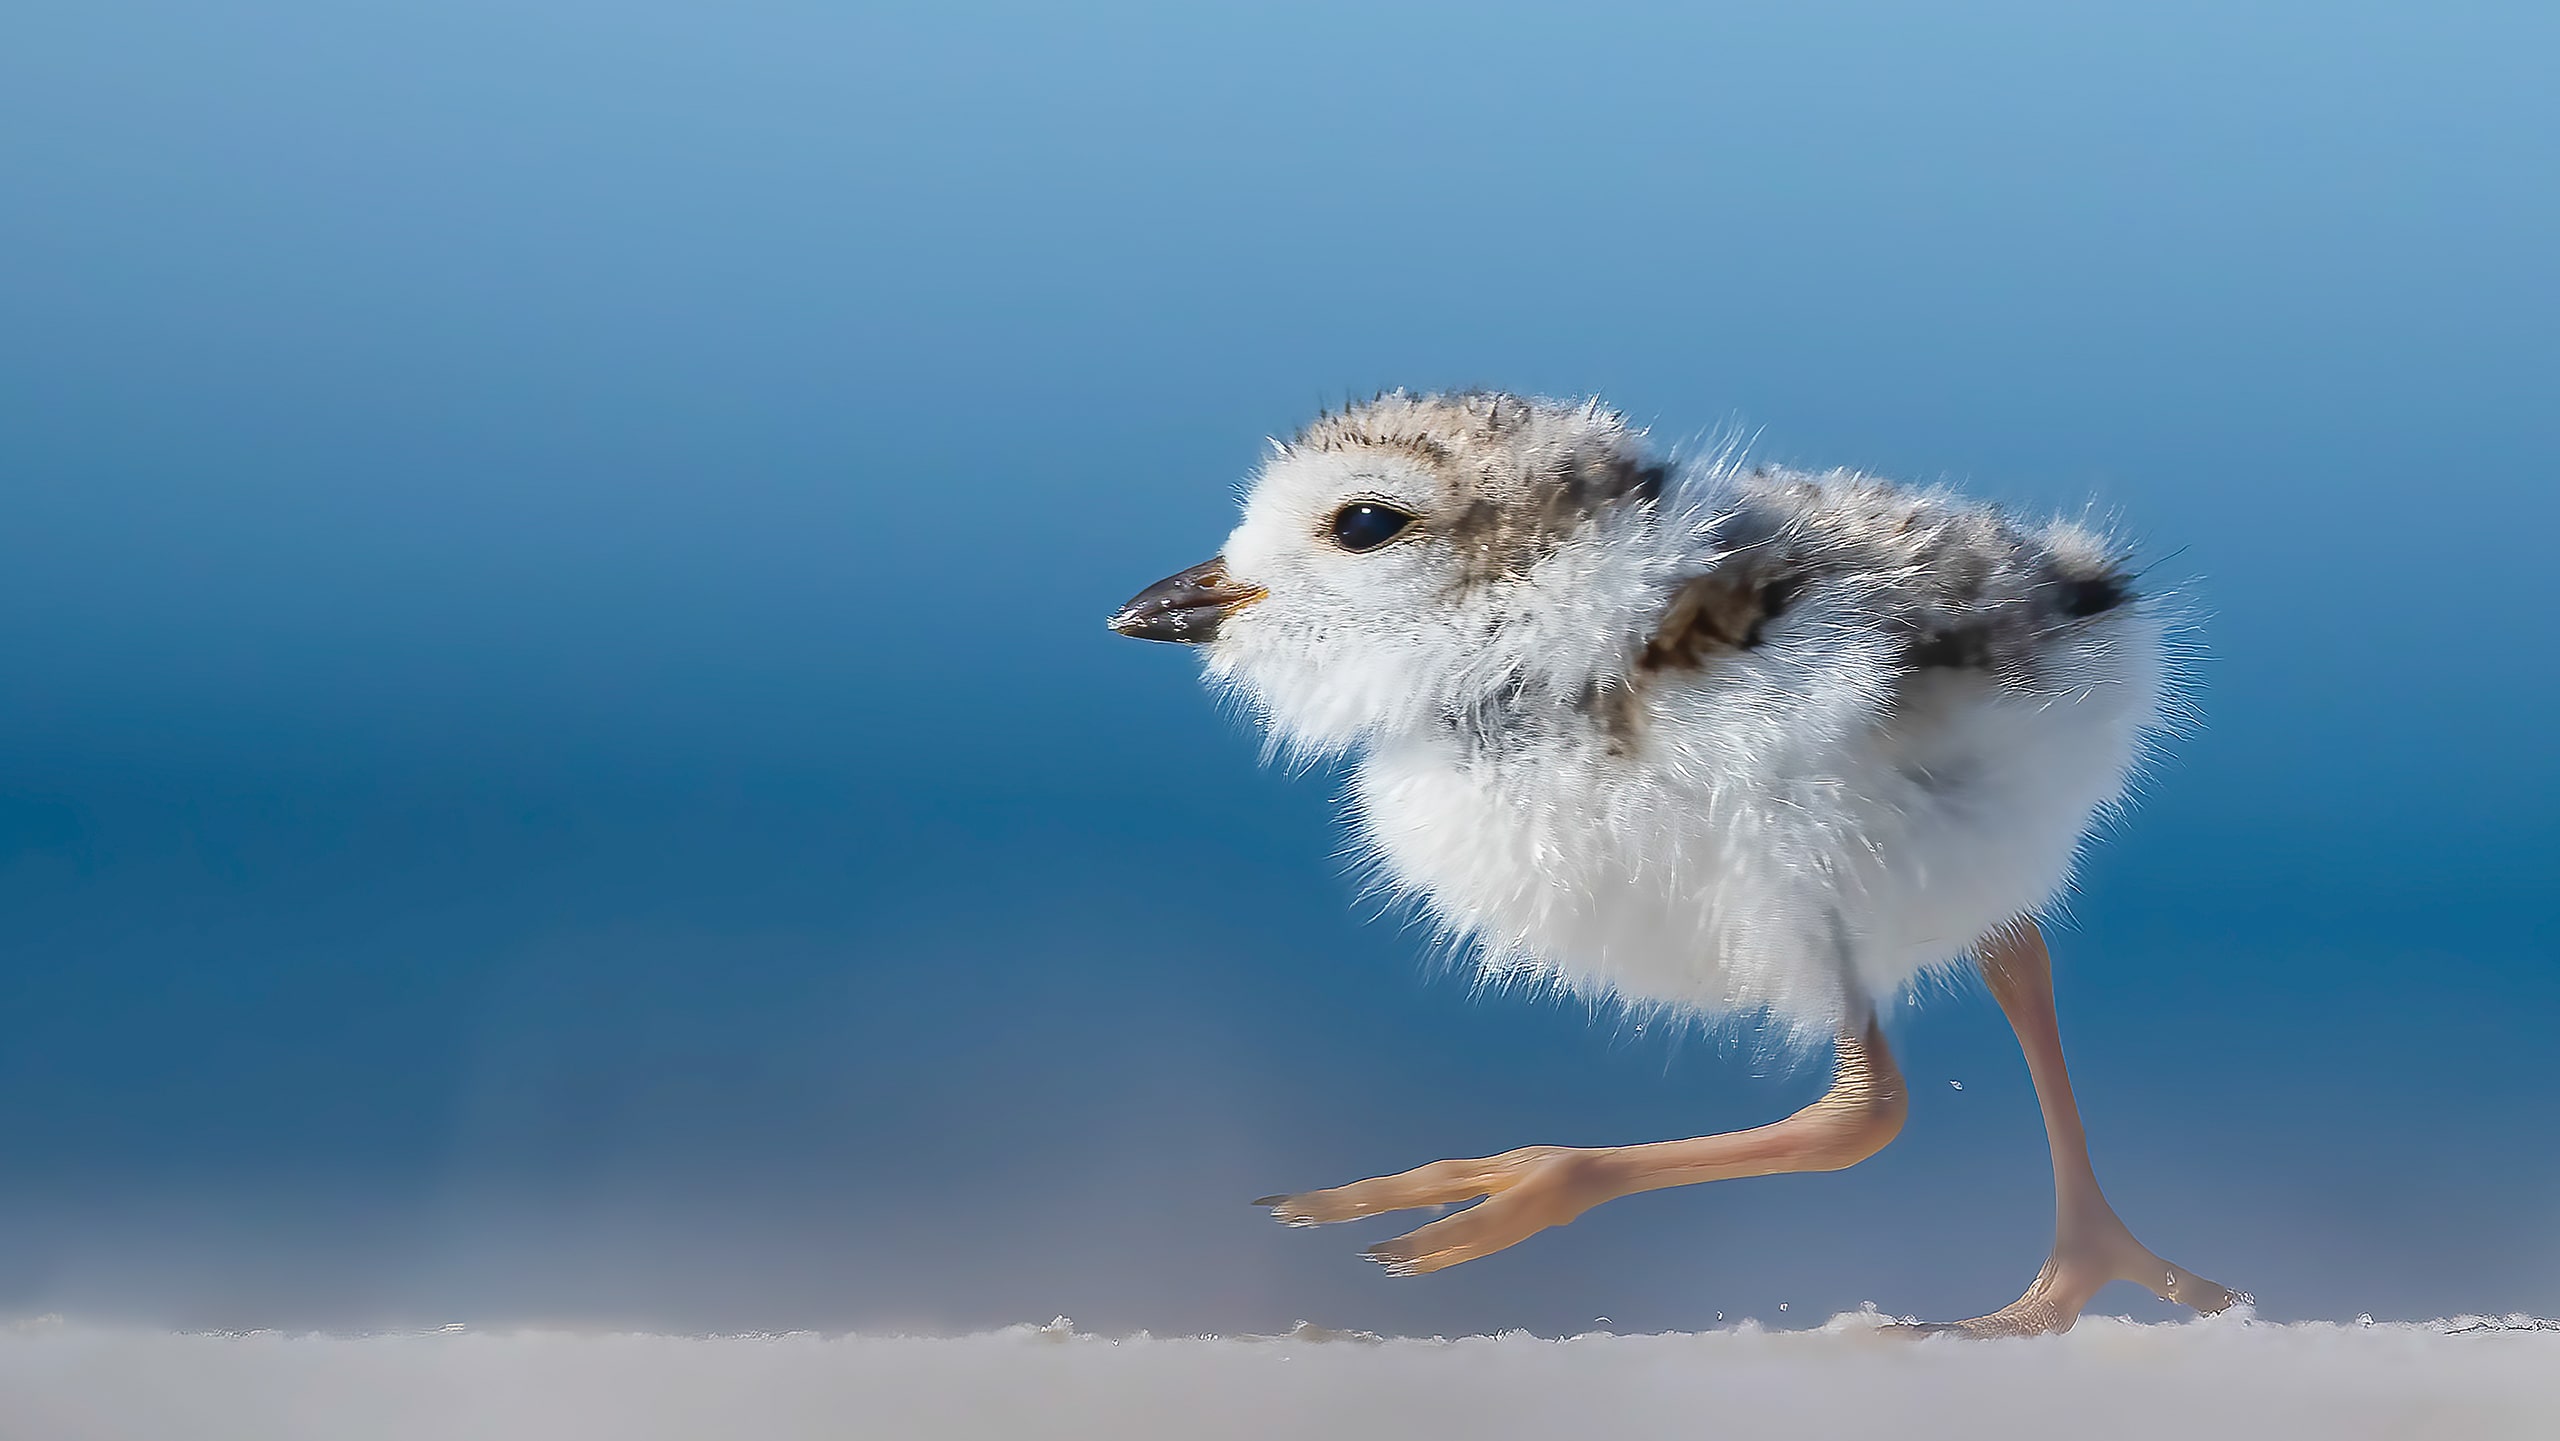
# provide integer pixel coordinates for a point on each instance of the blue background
(559, 761)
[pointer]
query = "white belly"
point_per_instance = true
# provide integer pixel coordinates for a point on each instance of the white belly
(1802, 866)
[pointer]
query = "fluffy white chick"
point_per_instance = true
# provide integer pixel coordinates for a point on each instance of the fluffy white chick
(1713, 739)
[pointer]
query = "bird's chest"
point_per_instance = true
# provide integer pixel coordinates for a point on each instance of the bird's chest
(1439, 816)
(1534, 851)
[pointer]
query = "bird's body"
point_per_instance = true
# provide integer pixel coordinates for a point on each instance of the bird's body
(1717, 738)
(1799, 821)
(1713, 738)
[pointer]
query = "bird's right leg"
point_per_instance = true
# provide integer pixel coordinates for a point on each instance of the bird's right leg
(1528, 1190)
(2091, 1245)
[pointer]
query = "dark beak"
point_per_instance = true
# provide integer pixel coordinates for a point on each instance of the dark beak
(1186, 608)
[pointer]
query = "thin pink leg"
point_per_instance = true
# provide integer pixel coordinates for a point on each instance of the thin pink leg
(2091, 1246)
(1536, 1187)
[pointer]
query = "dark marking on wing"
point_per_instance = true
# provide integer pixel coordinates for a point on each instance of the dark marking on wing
(1983, 634)
(1727, 609)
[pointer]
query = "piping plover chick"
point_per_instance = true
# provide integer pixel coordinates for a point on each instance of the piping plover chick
(1706, 738)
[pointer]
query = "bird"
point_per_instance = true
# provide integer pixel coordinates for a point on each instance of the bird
(1707, 738)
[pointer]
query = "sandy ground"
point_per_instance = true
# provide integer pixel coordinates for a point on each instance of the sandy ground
(2470, 1378)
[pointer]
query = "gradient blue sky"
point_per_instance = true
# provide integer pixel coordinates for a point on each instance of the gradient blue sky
(559, 761)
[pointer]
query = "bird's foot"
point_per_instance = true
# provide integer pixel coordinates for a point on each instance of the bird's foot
(1526, 1191)
(2097, 1252)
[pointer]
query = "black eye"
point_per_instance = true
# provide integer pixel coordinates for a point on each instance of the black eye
(1366, 525)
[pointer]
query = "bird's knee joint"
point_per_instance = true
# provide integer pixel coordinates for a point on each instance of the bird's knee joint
(1882, 1120)
(1861, 1127)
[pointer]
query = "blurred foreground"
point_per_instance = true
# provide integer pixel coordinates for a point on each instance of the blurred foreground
(2473, 1377)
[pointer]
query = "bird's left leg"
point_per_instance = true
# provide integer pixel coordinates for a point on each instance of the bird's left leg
(1528, 1190)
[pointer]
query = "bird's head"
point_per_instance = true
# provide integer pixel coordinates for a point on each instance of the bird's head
(1420, 562)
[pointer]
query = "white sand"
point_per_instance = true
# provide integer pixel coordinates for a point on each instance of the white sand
(2109, 1378)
